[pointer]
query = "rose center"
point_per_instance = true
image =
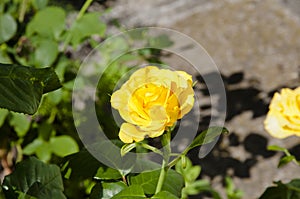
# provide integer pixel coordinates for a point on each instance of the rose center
(149, 95)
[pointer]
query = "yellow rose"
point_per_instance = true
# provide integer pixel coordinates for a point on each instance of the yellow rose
(283, 118)
(152, 100)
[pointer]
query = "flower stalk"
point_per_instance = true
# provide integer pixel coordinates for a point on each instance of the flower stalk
(83, 9)
(166, 138)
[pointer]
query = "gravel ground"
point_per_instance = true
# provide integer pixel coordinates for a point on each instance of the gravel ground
(256, 46)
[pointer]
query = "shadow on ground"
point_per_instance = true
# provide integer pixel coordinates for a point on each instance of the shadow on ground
(240, 98)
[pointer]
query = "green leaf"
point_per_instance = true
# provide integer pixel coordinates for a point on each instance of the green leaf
(21, 87)
(4, 58)
(49, 22)
(77, 165)
(8, 27)
(24, 196)
(285, 160)
(112, 188)
(164, 195)
(44, 152)
(55, 96)
(63, 145)
(32, 147)
(39, 4)
(107, 174)
(276, 148)
(231, 191)
(200, 186)
(290, 190)
(161, 41)
(45, 53)
(126, 148)
(190, 173)
(146, 165)
(35, 178)
(112, 156)
(39, 147)
(3, 114)
(192, 187)
(196, 187)
(106, 190)
(88, 25)
(148, 180)
(1, 193)
(132, 192)
(21, 123)
(45, 130)
(207, 136)
(46, 76)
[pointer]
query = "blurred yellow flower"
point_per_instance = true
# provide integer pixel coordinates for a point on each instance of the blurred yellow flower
(152, 100)
(283, 118)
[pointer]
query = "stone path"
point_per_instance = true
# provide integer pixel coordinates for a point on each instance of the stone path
(259, 42)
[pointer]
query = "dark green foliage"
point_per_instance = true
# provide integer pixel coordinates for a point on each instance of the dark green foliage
(21, 87)
(290, 190)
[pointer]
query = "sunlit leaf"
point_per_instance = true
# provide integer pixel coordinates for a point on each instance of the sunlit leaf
(8, 27)
(190, 173)
(132, 192)
(126, 148)
(88, 25)
(207, 136)
(63, 145)
(276, 148)
(107, 174)
(106, 190)
(148, 180)
(44, 152)
(39, 4)
(32, 147)
(285, 160)
(45, 52)
(164, 194)
(20, 123)
(49, 22)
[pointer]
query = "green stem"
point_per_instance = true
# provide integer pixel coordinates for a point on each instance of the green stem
(166, 155)
(23, 10)
(80, 14)
(287, 153)
(84, 8)
(151, 148)
(174, 162)
(162, 176)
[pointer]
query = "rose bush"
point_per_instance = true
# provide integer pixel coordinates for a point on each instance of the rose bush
(152, 100)
(283, 118)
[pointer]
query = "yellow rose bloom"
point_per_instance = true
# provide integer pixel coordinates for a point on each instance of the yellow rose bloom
(152, 100)
(283, 118)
